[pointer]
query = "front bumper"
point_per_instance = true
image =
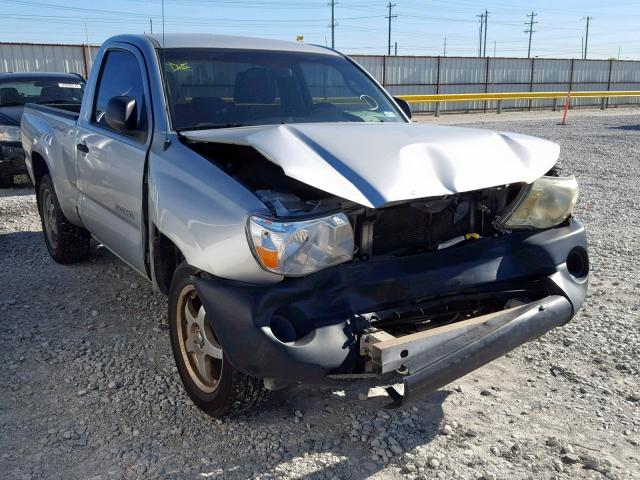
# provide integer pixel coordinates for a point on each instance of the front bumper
(12, 159)
(436, 357)
(322, 310)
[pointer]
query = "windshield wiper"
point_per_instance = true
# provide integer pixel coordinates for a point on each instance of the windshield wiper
(212, 126)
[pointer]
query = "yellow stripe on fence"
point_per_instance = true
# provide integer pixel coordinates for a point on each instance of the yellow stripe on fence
(470, 97)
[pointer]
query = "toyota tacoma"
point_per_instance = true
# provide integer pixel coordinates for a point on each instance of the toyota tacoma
(302, 227)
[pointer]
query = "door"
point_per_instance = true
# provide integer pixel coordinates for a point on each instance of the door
(111, 162)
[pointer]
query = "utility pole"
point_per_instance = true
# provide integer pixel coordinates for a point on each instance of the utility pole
(619, 52)
(395, 49)
(530, 31)
(486, 26)
(480, 37)
(582, 47)
(151, 24)
(390, 17)
(333, 24)
(586, 39)
(495, 44)
(444, 53)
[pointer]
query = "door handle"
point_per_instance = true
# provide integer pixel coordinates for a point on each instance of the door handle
(82, 148)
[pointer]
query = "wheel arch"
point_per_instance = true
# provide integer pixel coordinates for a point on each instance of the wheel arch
(40, 168)
(165, 259)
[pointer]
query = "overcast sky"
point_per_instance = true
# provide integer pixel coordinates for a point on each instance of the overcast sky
(420, 27)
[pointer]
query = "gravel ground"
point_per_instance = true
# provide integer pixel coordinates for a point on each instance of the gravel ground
(88, 387)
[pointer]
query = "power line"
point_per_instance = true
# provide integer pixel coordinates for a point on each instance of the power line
(390, 17)
(530, 30)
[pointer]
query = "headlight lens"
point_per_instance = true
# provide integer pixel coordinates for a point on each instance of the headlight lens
(301, 248)
(546, 203)
(9, 133)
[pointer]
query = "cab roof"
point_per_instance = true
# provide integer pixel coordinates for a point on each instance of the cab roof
(205, 40)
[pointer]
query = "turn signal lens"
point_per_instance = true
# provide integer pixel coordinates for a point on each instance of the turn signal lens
(269, 258)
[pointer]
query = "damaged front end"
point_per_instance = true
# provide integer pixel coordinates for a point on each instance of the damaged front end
(430, 288)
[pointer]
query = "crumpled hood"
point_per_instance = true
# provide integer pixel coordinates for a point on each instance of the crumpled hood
(377, 164)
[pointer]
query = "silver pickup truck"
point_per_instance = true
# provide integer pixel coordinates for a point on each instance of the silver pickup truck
(302, 227)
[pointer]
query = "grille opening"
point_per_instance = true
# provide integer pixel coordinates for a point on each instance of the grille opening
(424, 224)
(428, 313)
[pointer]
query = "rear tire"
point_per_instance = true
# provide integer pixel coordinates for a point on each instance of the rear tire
(211, 382)
(66, 242)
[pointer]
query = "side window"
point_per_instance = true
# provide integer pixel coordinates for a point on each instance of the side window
(120, 76)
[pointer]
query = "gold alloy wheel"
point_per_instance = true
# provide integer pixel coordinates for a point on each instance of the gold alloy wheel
(49, 217)
(199, 347)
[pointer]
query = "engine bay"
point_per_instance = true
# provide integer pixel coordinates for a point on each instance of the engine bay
(404, 228)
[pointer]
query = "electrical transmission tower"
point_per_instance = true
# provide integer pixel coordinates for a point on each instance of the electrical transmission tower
(486, 19)
(332, 3)
(480, 34)
(482, 41)
(530, 30)
(390, 17)
(586, 39)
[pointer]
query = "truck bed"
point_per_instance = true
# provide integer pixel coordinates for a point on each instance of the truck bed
(55, 128)
(68, 110)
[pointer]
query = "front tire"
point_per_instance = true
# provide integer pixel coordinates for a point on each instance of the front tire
(211, 382)
(66, 242)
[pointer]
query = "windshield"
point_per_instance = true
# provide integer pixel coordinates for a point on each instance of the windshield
(215, 88)
(52, 90)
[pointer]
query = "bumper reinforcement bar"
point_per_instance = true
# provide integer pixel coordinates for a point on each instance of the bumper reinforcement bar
(433, 358)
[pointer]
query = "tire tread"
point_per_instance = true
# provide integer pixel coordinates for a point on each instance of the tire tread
(73, 242)
(240, 394)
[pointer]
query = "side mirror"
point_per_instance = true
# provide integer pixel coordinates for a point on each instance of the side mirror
(122, 114)
(404, 106)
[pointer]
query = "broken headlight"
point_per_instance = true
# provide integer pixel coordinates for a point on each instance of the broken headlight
(545, 203)
(301, 247)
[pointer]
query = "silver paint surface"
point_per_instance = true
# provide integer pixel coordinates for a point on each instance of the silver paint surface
(203, 211)
(376, 163)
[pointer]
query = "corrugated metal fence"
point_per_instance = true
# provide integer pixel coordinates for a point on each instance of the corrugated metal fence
(29, 57)
(428, 75)
(409, 75)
